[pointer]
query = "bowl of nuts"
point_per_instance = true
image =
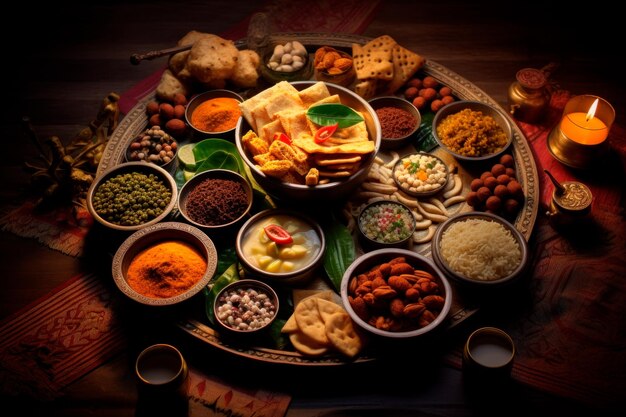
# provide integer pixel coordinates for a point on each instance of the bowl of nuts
(396, 294)
(245, 308)
(333, 66)
(154, 146)
(288, 61)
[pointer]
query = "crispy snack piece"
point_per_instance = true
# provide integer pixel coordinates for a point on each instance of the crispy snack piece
(312, 177)
(169, 86)
(342, 335)
(374, 59)
(246, 72)
(405, 64)
(307, 346)
(366, 88)
(310, 321)
(290, 326)
(283, 87)
(276, 168)
(212, 59)
(314, 94)
(325, 160)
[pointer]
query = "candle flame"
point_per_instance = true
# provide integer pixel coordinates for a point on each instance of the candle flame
(592, 110)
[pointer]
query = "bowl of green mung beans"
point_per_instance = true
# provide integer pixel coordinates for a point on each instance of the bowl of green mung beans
(131, 196)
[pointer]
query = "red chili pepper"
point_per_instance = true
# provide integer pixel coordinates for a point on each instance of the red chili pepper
(282, 137)
(278, 234)
(325, 132)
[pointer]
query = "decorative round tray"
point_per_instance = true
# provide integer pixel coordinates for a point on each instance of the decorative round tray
(136, 121)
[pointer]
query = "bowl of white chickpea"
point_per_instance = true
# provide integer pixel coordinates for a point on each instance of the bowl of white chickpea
(420, 174)
(280, 246)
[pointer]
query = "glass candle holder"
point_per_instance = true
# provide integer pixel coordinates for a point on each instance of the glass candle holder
(580, 138)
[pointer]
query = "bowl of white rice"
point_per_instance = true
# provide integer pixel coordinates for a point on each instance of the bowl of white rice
(480, 249)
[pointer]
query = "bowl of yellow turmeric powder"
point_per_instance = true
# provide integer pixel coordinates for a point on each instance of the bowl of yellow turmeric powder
(164, 264)
(214, 113)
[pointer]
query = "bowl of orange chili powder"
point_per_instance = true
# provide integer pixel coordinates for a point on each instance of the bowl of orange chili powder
(164, 264)
(214, 113)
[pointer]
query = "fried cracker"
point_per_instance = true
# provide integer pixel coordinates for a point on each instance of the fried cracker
(310, 321)
(326, 160)
(405, 64)
(342, 335)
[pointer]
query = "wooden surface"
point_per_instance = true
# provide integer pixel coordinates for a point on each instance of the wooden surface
(82, 53)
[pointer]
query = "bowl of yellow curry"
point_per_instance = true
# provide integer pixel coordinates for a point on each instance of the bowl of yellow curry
(308, 140)
(280, 246)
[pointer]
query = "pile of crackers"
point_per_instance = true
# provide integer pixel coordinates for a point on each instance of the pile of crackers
(383, 66)
(319, 326)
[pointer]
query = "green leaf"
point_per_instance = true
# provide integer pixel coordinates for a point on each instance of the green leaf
(424, 140)
(219, 160)
(230, 275)
(217, 153)
(340, 251)
(331, 113)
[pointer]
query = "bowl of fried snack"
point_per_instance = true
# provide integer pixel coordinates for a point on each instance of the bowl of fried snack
(308, 140)
(396, 294)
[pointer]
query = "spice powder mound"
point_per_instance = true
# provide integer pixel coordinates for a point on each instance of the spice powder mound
(166, 269)
(216, 115)
(395, 123)
(215, 202)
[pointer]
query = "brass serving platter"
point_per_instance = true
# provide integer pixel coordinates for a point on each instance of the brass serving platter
(136, 121)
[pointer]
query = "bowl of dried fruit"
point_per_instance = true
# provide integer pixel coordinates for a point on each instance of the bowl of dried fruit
(396, 294)
(333, 66)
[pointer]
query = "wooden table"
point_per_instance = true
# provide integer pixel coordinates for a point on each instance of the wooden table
(83, 54)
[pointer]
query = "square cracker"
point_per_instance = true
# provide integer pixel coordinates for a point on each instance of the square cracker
(405, 64)
(374, 63)
(283, 87)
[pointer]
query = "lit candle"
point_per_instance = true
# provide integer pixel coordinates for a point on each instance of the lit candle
(585, 128)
